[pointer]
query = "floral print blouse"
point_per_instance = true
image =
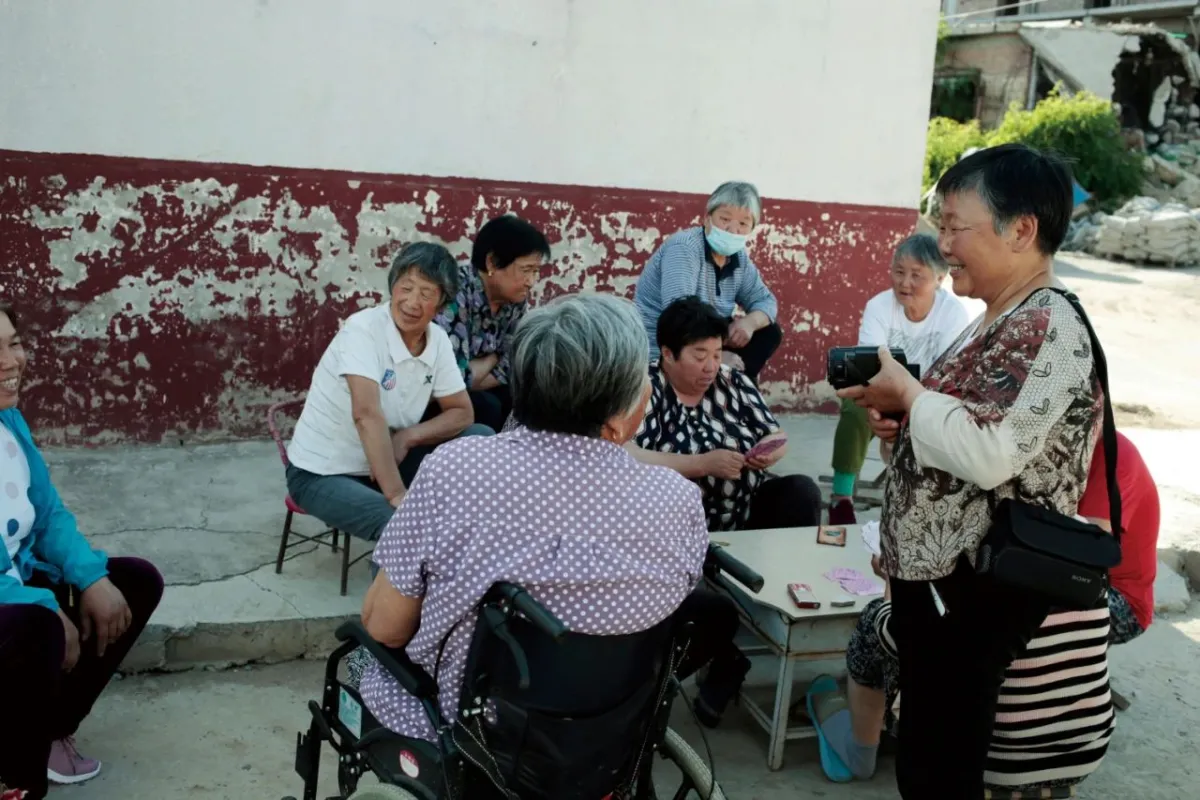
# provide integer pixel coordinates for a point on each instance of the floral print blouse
(1019, 402)
(474, 330)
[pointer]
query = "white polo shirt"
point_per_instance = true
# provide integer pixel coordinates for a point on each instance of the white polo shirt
(325, 441)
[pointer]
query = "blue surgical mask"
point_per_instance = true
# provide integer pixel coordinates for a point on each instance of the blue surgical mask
(723, 242)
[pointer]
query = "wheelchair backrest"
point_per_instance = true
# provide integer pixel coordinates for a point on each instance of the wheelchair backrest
(579, 727)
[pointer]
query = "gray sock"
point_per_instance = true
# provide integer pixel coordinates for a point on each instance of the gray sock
(859, 758)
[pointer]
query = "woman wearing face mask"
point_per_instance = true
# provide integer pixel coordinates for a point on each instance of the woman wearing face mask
(710, 261)
(917, 315)
(702, 419)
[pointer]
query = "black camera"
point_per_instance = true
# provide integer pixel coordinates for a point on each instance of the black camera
(855, 366)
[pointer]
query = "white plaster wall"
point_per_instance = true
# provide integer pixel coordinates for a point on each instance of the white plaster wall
(822, 100)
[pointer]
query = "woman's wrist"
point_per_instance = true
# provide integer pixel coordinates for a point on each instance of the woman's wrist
(911, 393)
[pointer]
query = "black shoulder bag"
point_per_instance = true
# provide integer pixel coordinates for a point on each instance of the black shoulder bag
(1052, 554)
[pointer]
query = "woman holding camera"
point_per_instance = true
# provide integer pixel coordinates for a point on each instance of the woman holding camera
(1010, 411)
(917, 315)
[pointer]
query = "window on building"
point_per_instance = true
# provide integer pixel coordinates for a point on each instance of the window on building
(1098, 4)
(955, 94)
(1007, 8)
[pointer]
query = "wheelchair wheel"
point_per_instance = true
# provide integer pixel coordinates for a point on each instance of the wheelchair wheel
(691, 765)
(382, 792)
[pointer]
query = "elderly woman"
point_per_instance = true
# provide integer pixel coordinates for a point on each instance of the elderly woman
(874, 673)
(608, 563)
(705, 417)
(702, 421)
(1010, 410)
(493, 289)
(68, 614)
(918, 316)
(710, 261)
(365, 426)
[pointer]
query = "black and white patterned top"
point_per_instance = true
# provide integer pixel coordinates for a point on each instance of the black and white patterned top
(732, 415)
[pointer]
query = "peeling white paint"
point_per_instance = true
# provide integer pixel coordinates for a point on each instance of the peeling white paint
(431, 202)
(110, 205)
(616, 226)
(787, 243)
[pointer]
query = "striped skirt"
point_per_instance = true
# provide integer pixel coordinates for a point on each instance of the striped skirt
(1054, 715)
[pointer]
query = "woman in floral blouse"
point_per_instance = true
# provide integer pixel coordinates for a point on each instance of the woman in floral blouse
(492, 298)
(1011, 409)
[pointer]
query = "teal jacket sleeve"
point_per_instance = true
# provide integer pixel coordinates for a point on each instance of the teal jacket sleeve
(56, 539)
(12, 591)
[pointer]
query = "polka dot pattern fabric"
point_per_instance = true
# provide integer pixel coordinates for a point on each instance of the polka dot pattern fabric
(16, 512)
(608, 545)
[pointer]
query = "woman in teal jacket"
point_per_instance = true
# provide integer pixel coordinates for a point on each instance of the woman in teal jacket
(68, 613)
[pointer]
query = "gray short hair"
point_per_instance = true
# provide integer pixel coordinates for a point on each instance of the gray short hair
(737, 194)
(432, 261)
(922, 248)
(577, 362)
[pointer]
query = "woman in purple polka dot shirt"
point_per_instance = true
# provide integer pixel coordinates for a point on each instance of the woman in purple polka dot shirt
(608, 545)
(68, 613)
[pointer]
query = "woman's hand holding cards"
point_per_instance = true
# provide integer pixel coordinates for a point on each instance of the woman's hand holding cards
(768, 452)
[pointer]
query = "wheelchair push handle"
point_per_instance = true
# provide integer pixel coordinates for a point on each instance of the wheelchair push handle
(532, 610)
(720, 559)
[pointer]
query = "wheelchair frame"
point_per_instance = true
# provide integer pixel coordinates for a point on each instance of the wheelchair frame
(341, 706)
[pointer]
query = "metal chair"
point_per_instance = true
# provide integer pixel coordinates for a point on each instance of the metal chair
(294, 508)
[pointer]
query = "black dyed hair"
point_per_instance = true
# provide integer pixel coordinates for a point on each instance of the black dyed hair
(1014, 180)
(689, 320)
(507, 238)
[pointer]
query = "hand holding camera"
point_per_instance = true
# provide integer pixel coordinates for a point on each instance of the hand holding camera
(878, 379)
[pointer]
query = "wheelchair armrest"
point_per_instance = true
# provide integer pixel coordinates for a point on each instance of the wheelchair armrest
(720, 560)
(412, 678)
(534, 611)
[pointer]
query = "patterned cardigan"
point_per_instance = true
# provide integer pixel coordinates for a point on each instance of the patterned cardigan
(1013, 412)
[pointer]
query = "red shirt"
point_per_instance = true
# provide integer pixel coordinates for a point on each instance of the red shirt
(1134, 576)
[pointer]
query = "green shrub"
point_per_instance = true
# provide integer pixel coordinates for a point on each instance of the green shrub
(945, 143)
(1084, 129)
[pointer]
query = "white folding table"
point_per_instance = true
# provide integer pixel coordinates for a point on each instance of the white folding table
(791, 634)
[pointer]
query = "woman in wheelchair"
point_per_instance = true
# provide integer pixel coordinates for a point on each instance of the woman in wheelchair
(607, 545)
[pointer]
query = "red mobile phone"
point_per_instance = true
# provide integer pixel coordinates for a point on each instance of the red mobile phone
(801, 594)
(763, 449)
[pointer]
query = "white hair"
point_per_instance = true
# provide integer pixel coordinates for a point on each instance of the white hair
(736, 194)
(579, 361)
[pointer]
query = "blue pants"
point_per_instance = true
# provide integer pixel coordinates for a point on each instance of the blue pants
(353, 503)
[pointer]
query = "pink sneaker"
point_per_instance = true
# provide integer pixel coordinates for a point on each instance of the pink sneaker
(12, 794)
(68, 766)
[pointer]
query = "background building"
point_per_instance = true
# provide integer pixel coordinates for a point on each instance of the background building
(192, 195)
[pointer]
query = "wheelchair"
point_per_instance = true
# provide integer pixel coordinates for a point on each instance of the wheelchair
(544, 713)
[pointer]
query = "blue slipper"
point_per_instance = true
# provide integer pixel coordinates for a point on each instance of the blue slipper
(831, 763)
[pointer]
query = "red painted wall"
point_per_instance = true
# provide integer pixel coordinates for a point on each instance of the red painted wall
(174, 301)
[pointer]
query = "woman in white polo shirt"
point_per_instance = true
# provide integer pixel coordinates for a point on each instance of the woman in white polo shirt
(365, 426)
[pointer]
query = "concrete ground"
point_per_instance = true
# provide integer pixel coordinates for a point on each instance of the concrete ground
(210, 517)
(231, 735)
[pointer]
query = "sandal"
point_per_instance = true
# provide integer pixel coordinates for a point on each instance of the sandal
(825, 699)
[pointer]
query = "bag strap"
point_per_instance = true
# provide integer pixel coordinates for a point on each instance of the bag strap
(1108, 432)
